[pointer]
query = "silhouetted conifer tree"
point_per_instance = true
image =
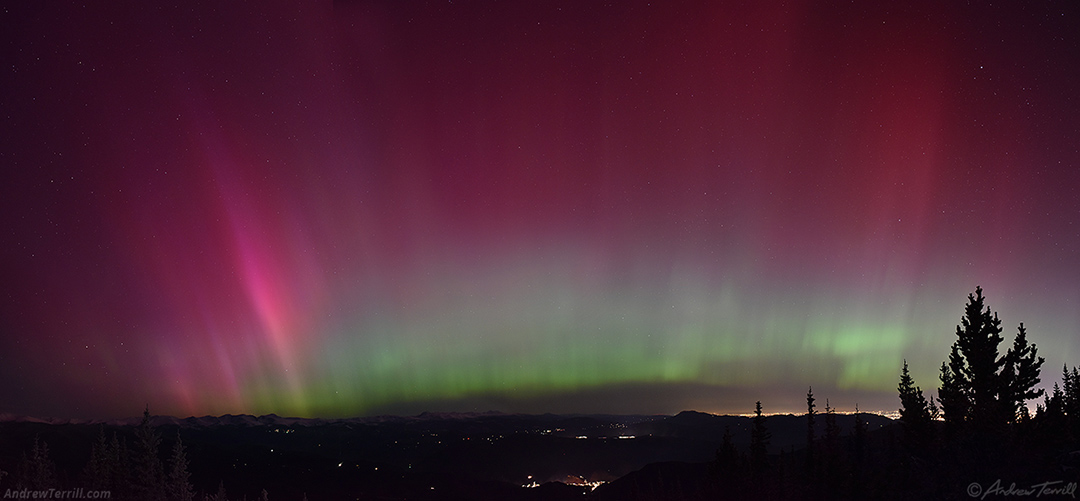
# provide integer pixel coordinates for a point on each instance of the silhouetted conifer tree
(859, 450)
(1070, 401)
(118, 458)
(914, 409)
(979, 388)
(147, 481)
(178, 482)
(832, 429)
(860, 431)
(1054, 403)
(831, 456)
(1019, 376)
(1024, 416)
(1053, 424)
(37, 472)
(975, 369)
(810, 435)
(932, 408)
(955, 404)
(759, 442)
(220, 495)
(97, 474)
(727, 457)
(725, 472)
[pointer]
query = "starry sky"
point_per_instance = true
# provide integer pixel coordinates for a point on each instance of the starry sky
(362, 207)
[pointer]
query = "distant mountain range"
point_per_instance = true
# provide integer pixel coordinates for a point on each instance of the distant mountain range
(787, 430)
(275, 420)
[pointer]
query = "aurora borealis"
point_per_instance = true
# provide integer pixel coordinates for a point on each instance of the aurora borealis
(375, 206)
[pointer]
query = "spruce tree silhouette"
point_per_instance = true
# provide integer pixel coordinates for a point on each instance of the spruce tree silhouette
(914, 409)
(832, 429)
(1053, 403)
(97, 474)
(980, 390)
(974, 360)
(759, 443)
(1051, 423)
(810, 431)
(831, 454)
(36, 472)
(147, 482)
(178, 482)
(118, 457)
(858, 454)
(728, 456)
(220, 495)
(1019, 376)
(955, 405)
(1057, 419)
(1070, 401)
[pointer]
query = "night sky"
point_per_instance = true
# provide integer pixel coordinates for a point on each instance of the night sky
(566, 206)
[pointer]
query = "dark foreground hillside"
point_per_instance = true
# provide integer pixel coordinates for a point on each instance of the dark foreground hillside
(503, 456)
